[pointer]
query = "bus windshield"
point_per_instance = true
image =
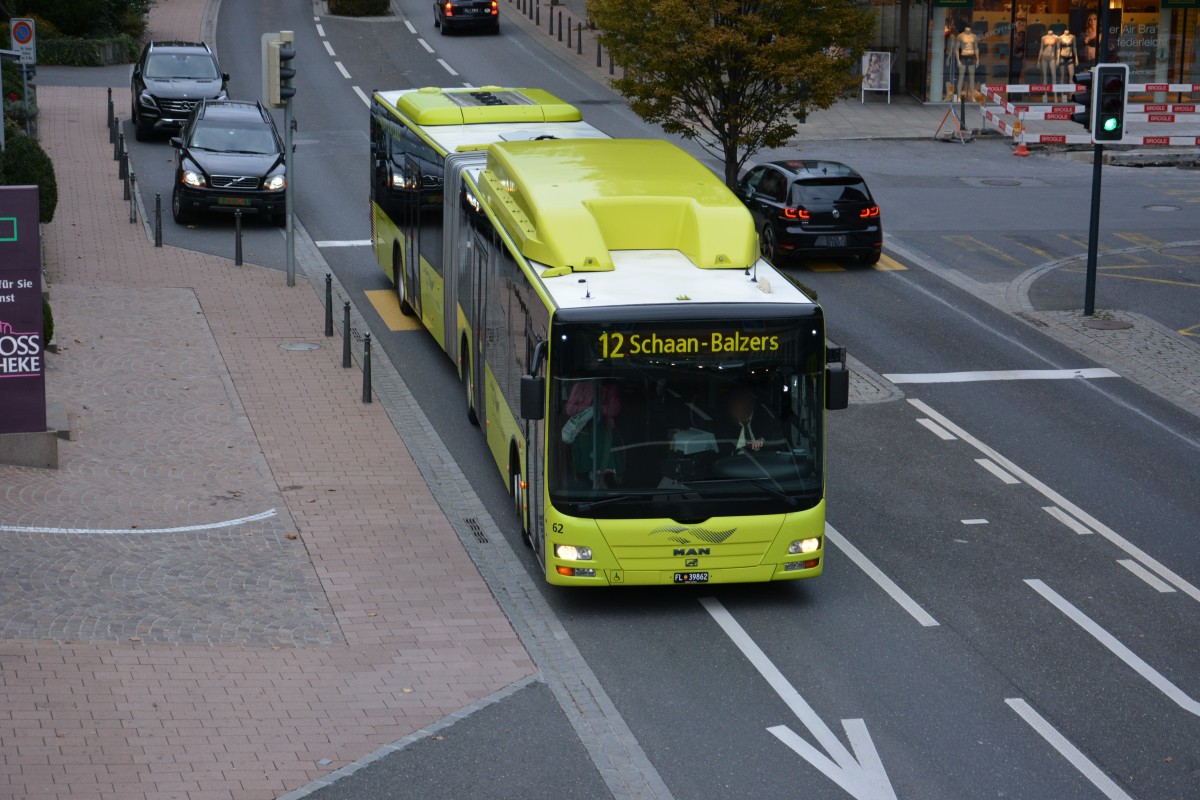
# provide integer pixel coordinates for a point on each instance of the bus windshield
(686, 419)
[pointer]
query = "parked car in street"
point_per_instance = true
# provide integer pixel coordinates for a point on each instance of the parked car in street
(168, 80)
(456, 15)
(812, 208)
(229, 156)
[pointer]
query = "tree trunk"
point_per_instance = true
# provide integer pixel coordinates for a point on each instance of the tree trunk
(731, 161)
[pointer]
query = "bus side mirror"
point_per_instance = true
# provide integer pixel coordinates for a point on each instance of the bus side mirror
(837, 378)
(533, 397)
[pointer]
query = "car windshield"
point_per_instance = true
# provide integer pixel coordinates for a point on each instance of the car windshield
(231, 139)
(638, 427)
(829, 191)
(181, 65)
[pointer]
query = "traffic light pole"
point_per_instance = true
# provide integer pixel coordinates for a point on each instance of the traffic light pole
(1089, 285)
(288, 190)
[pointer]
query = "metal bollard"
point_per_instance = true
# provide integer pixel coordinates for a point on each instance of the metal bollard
(328, 304)
(551, 31)
(346, 335)
(560, 26)
(611, 70)
(112, 118)
(123, 161)
(599, 55)
(579, 39)
(158, 219)
(237, 237)
(132, 199)
(116, 149)
(367, 368)
(570, 28)
(125, 186)
(537, 14)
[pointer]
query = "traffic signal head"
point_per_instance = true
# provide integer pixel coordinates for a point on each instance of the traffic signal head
(278, 71)
(1083, 98)
(1111, 87)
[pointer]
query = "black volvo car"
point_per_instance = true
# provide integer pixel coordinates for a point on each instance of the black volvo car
(168, 80)
(812, 208)
(229, 156)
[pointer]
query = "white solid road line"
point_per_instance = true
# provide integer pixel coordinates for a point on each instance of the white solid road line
(410, 27)
(449, 68)
(991, 467)
(1156, 679)
(425, 44)
(1069, 751)
(362, 96)
(1001, 375)
(874, 573)
(1068, 520)
(229, 523)
(938, 430)
(342, 70)
(328, 48)
(1072, 509)
(1146, 575)
(343, 242)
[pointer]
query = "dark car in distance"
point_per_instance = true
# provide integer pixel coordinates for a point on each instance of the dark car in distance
(168, 80)
(805, 208)
(455, 15)
(227, 157)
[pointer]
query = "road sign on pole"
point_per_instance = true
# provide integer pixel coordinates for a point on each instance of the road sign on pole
(22, 34)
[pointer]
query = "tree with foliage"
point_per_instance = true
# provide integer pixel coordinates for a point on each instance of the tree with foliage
(24, 163)
(734, 75)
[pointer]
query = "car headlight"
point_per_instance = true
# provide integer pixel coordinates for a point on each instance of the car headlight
(145, 99)
(193, 178)
(275, 183)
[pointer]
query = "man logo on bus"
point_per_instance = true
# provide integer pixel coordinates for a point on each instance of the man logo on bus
(20, 353)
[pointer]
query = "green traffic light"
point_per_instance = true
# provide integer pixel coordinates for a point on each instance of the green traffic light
(1111, 124)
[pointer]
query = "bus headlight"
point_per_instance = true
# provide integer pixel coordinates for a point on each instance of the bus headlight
(569, 552)
(804, 546)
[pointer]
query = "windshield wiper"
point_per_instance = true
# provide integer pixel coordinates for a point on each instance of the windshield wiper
(649, 494)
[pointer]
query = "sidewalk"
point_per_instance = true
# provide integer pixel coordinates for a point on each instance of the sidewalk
(321, 605)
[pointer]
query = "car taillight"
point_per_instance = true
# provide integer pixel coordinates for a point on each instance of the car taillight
(795, 213)
(870, 211)
(449, 9)
(495, 8)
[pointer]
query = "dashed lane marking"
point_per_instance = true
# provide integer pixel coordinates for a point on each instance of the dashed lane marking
(993, 468)
(1068, 520)
(1146, 575)
(1067, 750)
(342, 70)
(447, 67)
(362, 95)
(328, 48)
(425, 44)
(344, 242)
(1001, 375)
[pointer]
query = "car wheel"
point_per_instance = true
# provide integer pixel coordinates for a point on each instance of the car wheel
(870, 258)
(496, 30)
(279, 220)
(767, 244)
(182, 215)
(141, 131)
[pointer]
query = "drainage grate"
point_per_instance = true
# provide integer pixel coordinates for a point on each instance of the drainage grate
(476, 531)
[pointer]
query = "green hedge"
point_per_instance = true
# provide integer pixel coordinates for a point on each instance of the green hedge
(359, 8)
(25, 163)
(88, 52)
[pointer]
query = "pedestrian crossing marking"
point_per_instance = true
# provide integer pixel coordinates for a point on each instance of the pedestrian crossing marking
(387, 306)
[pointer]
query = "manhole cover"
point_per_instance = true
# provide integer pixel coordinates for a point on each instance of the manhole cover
(1162, 208)
(1000, 182)
(1107, 324)
(300, 346)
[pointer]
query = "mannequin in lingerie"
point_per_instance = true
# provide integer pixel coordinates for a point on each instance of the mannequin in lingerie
(966, 50)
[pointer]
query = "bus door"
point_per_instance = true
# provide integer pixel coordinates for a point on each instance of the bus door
(475, 283)
(412, 231)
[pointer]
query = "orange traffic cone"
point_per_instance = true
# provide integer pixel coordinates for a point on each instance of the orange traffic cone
(1021, 150)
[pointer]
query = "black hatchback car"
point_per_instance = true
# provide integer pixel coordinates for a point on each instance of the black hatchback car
(229, 156)
(812, 208)
(168, 80)
(455, 15)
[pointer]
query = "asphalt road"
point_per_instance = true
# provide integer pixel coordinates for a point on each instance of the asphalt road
(1009, 652)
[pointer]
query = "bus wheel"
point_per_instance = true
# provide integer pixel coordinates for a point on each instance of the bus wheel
(398, 279)
(518, 495)
(469, 384)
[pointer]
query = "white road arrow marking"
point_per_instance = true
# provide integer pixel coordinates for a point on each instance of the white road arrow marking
(861, 773)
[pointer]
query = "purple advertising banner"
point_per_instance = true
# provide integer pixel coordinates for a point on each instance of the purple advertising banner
(22, 344)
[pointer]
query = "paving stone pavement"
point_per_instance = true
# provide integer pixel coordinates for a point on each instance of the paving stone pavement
(223, 662)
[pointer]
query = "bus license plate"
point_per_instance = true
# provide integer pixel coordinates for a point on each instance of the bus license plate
(691, 577)
(233, 201)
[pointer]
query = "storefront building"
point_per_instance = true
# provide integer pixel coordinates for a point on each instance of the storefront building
(939, 46)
